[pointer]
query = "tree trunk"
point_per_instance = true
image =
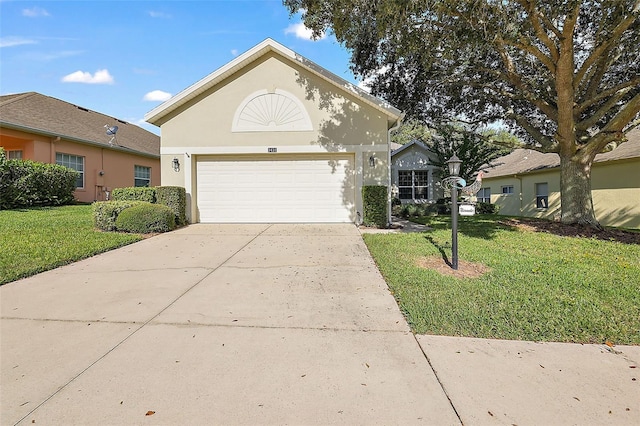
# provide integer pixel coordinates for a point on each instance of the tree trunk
(575, 190)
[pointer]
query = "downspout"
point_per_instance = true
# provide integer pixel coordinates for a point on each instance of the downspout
(519, 191)
(395, 127)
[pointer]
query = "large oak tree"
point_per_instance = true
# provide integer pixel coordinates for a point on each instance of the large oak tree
(564, 74)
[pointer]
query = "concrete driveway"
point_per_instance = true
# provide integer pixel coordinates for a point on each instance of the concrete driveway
(216, 324)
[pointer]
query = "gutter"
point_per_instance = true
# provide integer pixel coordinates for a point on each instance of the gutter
(395, 127)
(77, 140)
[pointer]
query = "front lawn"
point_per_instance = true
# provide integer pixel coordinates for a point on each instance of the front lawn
(540, 286)
(39, 239)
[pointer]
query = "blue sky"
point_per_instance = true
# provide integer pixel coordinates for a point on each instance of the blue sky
(122, 58)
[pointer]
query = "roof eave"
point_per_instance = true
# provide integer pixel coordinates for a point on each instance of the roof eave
(268, 45)
(28, 129)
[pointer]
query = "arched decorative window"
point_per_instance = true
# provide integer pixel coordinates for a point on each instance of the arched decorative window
(265, 111)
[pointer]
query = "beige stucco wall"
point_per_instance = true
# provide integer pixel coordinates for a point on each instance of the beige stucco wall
(615, 188)
(615, 193)
(340, 122)
(118, 167)
(416, 158)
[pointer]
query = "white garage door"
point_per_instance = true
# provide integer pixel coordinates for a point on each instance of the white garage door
(276, 189)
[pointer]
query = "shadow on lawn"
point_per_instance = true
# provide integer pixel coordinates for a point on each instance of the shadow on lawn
(485, 227)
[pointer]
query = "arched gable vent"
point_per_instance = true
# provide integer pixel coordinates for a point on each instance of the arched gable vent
(265, 111)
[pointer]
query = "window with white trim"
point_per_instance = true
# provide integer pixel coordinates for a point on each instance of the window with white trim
(142, 176)
(413, 184)
(542, 195)
(74, 162)
(507, 190)
(484, 195)
(14, 155)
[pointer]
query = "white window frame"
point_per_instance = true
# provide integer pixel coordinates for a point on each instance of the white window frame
(14, 154)
(482, 197)
(415, 189)
(542, 197)
(507, 190)
(64, 159)
(141, 177)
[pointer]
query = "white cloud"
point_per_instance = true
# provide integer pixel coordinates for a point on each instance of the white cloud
(161, 15)
(234, 52)
(100, 77)
(300, 31)
(15, 41)
(157, 96)
(35, 12)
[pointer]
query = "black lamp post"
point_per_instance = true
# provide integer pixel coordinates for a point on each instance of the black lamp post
(454, 171)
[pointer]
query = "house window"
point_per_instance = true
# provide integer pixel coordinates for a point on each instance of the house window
(484, 195)
(413, 184)
(542, 195)
(142, 176)
(507, 189)
(73, 162)
(14, 155)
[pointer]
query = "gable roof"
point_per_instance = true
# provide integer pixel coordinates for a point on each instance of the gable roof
(155, 115)
(401, 148)
(36, 113)
(523, 161)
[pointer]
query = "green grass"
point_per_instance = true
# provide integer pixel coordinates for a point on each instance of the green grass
(39, 239)
(540, 287)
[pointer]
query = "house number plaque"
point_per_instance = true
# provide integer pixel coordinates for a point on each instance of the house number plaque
(272, 149)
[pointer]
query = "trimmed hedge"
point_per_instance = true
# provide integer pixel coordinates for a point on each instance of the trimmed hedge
(374, 201)
(145, 218)
(137, 193)
(105, 213)
(26, 183)
(175, 197)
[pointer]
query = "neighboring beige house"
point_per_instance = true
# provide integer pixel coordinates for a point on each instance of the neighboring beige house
(45, 129)
(527, 183)
(413, 175)
(273, 137)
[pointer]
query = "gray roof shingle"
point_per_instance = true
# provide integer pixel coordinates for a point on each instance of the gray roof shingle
(528, 160)
(38, 113)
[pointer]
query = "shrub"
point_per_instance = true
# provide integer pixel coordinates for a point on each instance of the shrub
(25, 183)
(145, 218)
(374, 200)
(139, 193)
(175, 198)
(486, 208)
(105, 213)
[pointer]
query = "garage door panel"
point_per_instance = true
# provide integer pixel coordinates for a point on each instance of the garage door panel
(276, 190)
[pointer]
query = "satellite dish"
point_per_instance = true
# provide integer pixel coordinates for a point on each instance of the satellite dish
(112, 130)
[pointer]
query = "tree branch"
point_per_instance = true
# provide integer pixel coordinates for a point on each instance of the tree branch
(548, 145)
(624, 87)
(606, 46)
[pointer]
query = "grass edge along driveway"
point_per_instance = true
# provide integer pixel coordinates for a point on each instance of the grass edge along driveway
(539, 287)
(39, 239)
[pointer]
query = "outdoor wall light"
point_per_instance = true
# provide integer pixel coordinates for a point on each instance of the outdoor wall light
(176, 165)
(372, 161)
(454, 165)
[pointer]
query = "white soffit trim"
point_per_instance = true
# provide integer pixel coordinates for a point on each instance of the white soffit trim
(268, 45)
(284, 149)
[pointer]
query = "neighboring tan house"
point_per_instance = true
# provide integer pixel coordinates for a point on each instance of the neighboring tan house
(413, 175)
(527, 183)
(44, 129)
(273, 137)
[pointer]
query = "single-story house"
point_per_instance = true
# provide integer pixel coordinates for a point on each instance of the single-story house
(414, 177)
(108, 152)
(273, 137)
(527, 183)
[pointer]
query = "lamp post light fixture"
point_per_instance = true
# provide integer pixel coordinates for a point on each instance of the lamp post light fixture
(454, 170)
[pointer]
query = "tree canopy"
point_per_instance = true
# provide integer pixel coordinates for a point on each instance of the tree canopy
(563, 74)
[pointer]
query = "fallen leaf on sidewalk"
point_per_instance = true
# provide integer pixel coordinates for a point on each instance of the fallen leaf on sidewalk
(150, 413)
(608, 343)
